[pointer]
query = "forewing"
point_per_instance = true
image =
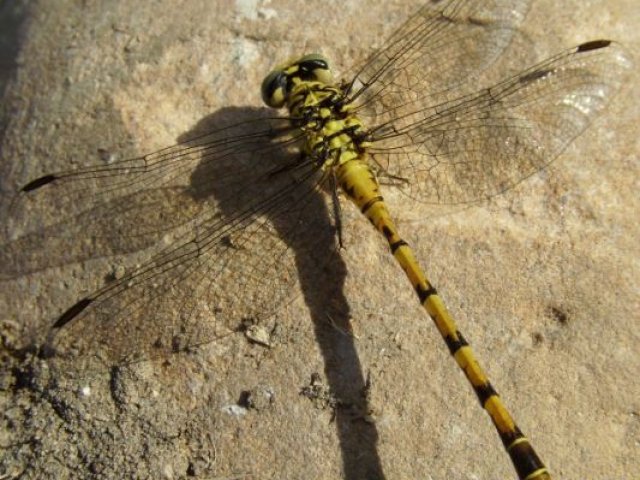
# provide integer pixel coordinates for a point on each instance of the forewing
(441, 45)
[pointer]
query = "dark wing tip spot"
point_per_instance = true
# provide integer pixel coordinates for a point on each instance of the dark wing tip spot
(72, 312)
(593, 45)
(38, 182)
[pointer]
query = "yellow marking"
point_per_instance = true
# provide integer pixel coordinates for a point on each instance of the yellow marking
(540, 474)
(499, 414)
(467, 362)
(518, 441)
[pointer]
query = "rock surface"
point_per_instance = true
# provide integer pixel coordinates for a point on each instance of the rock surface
(544, 280)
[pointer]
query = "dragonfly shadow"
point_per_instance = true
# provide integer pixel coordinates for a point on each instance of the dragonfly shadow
(307, 231)
(252, 223)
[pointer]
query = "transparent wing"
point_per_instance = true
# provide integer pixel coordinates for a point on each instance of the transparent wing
(458, 146)
(248, 207)
(441, 45)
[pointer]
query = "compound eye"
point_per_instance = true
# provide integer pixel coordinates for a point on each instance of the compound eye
(274, 88)
(316, 66)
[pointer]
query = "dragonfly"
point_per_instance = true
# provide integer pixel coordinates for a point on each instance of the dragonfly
(225, 213)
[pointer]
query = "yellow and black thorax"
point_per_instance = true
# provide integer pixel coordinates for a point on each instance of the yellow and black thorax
(305, 86)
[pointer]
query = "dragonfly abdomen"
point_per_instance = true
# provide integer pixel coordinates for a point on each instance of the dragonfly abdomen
(360, 184)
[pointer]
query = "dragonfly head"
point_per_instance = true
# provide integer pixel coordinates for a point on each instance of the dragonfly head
(309, 68)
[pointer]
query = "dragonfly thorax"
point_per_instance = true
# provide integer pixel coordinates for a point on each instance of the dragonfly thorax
(333, 133)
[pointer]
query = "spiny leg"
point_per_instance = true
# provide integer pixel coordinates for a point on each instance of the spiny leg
(358, 181)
